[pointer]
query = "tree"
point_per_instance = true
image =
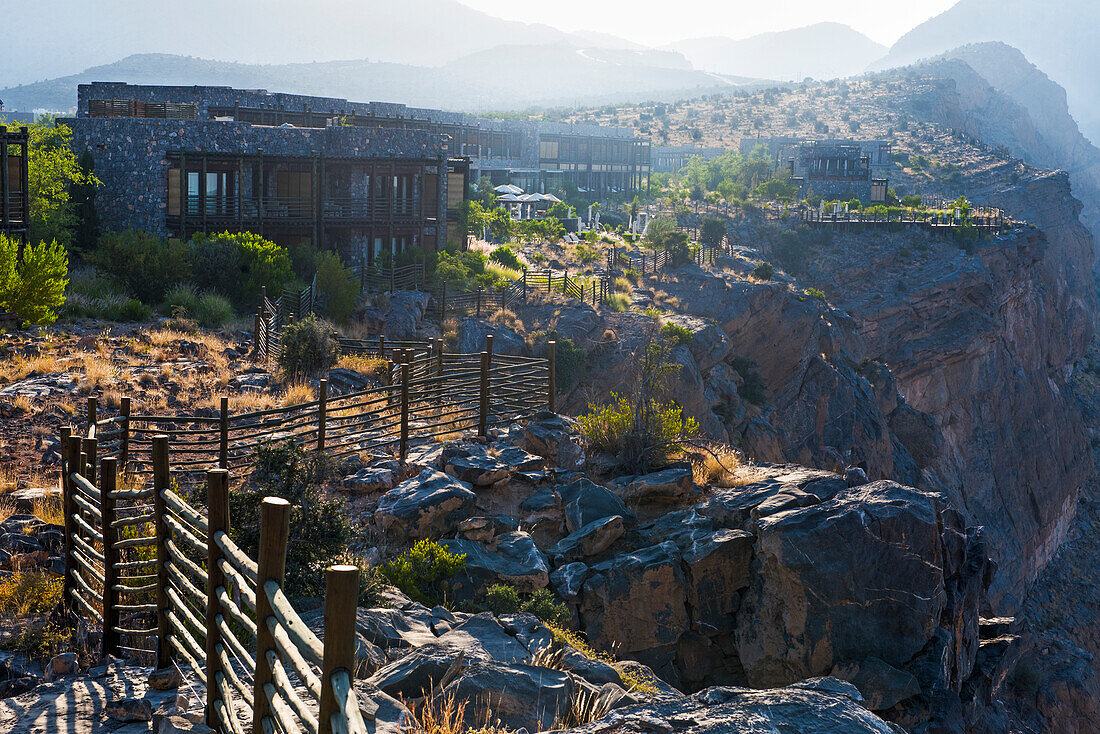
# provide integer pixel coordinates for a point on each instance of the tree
(660, 228)
(35, 288)
(52, 171)
(559, 210)
(483, 192)
(82, 195)
(714, 229)
(337, 287)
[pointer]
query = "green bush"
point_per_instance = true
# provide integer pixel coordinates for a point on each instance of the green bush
(679, 252)
(544, 605)
(764, 271)
(308, 347)
(337, 288)
(619, 302)
(620, 429)
(586, 253)
(418, 571)
(675, 334)
(213, 311)
(506, 257)
(753, 388)
(258, 263)
(502, 599)
(145, 264)
(182, 300)
(135, 310)
(816, 293)
(569, 362)
(35, 288)
(319, 527)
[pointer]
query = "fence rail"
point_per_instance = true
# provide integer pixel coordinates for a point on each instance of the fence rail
(429, 393)
(146, 566)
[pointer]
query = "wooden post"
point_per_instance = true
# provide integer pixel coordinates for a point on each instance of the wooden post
(70, 460)
(322, 414)
(161, 482)
(479, 303)
(525, 284)
(404, 446)
(483, 412)
(124, 431)
(217, 490)
(443, 299)
(223, 429)
(89, 448)
(551, 383)
(341, 600)
(107, 485)
(393, 270)
(256, 329)
(489, 344)
(274, 532)
(381, 346)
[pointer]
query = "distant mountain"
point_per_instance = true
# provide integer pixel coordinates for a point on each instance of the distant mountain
(502, 78)
(821, 51)
(41, 41)
(1062, 38)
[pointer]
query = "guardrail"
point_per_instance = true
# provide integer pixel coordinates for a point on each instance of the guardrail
(429, 393)
(144, 565)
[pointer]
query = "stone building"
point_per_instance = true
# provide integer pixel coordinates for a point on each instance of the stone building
(14, 202)
(672, 158)
(836, 171)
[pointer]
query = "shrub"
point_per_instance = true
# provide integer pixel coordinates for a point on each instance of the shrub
(418, 571)
(622, 285)
(213, 311)
(182, 300)
(135, 310)
(307, 347)
(145, 264)
(640, 437)
(337, 287)
(675, 334)
(544, 605)
(569, 362)
(24, 593)
(679, 253)
(506, 257)
(319, 527)
(816, 293)
(753, 388)
(764, 271)
(502, 599)
(587, 253)
(259, 263)
(35, 288)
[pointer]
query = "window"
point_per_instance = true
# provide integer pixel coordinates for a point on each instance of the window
(431, 194)
(173, 192)
(548, 150)
(294, 189)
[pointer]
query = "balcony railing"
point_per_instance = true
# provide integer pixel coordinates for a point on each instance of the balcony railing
(15, 209)
(335, 208)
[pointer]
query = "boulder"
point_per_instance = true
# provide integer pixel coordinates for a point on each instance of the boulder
(512, 558)
(472, 333)
(554, 437)
(519, 696)
(882, 685)
(130, 709)
(585, 501)
(589, 540)
(636, 601)
(62, 665)
(857, 576)
(568, 580)
(370, 479)
(669, 485)
(709, 345)
(428, 505)
(818, 707)
(181, 725)
(718, 569)
(165, 679)
(472, 464)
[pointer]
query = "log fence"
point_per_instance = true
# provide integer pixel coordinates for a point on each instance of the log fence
(148, 568)
(429, 393)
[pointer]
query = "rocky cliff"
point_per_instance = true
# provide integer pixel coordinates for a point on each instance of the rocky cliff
(986, 343)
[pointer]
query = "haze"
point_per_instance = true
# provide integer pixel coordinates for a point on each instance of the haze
(655, 23)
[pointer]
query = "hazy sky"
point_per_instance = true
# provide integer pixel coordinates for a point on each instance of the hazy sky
(656, 22)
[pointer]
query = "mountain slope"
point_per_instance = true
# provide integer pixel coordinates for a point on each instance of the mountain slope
(503, 78)
(63, 37)
(822, 51)
(1062, 39)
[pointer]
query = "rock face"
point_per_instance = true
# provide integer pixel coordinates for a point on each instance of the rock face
(427, 505)
(989, 359)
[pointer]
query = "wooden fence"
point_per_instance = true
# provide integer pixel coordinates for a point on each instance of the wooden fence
(655, 260)
(592, 289)
(377, 279)
(429, 394)
(147, 566)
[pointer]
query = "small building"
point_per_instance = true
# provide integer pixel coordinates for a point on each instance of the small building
(836, 171)
(672, 158)
(15, 212)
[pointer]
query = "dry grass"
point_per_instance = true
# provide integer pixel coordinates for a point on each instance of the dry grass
(449, 329)
(633, 681)
(507, 318)
(49, 510)
(98, 372)
(7, 509)
(296, 394)
(247, 402)
(24, 593)
(20, 367)
(372, 367)
(443, 714)
(721, 466)
(23, 404)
